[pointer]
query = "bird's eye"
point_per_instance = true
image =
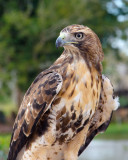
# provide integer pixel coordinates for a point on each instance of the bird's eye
(79, 35)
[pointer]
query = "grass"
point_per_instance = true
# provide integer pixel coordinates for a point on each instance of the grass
(4, 141)
(115, 131)
(4, 145)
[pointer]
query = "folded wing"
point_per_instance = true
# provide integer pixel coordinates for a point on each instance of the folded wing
(36, 102)
(102, 117)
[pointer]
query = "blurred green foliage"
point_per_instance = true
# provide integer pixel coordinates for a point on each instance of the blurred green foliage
(4, 141)
(124, 101)
(28, 30)
(4, 145)
(7, 108)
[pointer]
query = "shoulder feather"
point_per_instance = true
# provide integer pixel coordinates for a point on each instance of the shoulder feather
(36, 102)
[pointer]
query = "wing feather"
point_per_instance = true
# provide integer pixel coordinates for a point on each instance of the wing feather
(36, 102)
(102, 116)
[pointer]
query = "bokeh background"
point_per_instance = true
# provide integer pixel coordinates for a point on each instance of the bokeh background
(28, 30)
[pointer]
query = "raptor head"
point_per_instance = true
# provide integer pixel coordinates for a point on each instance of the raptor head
(81, 38)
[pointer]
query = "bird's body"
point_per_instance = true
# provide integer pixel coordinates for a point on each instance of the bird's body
(64, 106)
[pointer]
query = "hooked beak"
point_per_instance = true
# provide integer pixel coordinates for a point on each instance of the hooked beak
(60, 42)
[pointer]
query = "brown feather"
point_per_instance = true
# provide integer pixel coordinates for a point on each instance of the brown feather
(57, 121)
(34, 105)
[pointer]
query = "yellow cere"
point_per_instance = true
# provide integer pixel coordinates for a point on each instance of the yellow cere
(62, 35)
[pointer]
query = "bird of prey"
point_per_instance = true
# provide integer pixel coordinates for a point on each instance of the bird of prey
(67, 104)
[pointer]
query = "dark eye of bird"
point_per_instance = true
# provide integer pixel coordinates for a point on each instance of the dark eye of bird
(79, 35)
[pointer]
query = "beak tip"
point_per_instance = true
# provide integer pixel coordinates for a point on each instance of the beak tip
(59, 42)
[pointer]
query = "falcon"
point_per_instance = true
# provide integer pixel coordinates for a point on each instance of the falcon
(67, 104)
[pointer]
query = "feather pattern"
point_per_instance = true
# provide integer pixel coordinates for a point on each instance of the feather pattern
(36, 102)
(102, 117)
(67, 104)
